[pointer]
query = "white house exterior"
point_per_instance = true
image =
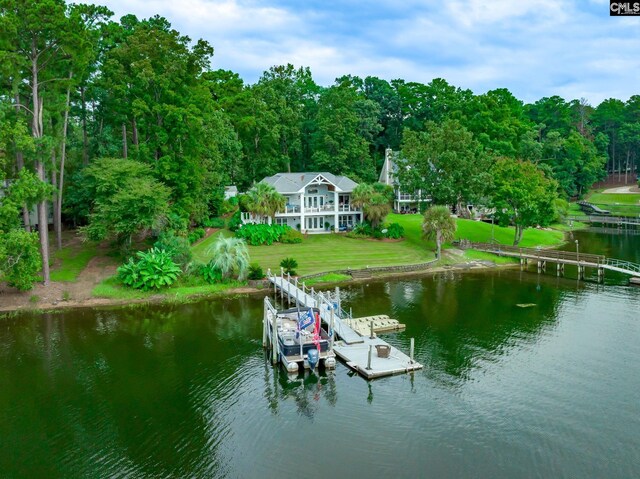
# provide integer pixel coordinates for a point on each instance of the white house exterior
(403, 202)
(315, 202)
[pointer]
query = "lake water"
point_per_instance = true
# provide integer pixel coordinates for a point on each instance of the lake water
(551, 390)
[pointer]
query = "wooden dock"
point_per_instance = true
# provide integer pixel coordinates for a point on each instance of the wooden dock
(368, 355)
(560, 258)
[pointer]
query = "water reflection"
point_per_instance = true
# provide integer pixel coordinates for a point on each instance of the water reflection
(460, 320)
(306, 389)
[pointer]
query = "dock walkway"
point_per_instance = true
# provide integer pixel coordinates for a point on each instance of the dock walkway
(359, 352)
(561, 258)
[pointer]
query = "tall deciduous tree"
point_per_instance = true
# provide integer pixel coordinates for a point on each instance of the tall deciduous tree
(522, 195)
(446, 163)
(346, 123)
(34, 35)
(126, 200)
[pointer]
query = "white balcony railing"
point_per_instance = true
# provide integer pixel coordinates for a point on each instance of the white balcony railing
(295, 209)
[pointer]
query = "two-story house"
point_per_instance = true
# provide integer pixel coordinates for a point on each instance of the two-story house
(403, 202)
(315, 202)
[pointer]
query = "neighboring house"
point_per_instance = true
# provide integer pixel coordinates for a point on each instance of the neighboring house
(403, 202)
(230, 191)
(315, 202)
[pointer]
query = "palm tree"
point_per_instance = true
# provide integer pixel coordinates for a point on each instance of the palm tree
(263, 200)
(439, 225)
(375, 200)
(230, 255)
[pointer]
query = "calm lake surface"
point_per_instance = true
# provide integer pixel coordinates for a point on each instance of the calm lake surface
(551, 390)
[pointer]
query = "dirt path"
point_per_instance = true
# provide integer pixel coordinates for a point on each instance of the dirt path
(60, 293)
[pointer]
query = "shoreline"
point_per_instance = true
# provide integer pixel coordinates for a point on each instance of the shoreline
(160, 298)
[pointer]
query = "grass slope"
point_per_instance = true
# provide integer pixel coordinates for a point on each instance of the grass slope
(329, 252)
(620, 204)
(71, 260)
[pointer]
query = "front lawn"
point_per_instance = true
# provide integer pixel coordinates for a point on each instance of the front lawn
(330, 252)
(619, 204)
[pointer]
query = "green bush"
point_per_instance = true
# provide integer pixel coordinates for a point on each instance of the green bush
(177, 223)
(260, 234)
(229, 206)
(363, 229)
(210, 273)
(255, 271)
(153, 269)
(394, 231)
(199, 271)
(377, 234)
(235, 221)
(177, 247)
(214, 223)
(20, 258)
(291, 236)
(196, 234)
(289, 265)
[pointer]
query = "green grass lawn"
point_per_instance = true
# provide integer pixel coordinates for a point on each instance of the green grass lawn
(71, 260)
(329, 252)
(112, 288)
(619, 204)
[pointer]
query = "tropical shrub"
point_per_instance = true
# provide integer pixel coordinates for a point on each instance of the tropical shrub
(363, 229)
(196, 234)
(291, 236)
(199, 271)
(255, 271)
(153, 269)
(230, 256)
(176, 246)
(289, 265)
(394, 231)
(259, 234)
(210, 273)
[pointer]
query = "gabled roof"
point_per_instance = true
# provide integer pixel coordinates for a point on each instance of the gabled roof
(389, 168)
(288, 183)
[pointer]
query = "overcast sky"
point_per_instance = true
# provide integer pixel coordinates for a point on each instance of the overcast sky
(535, 48)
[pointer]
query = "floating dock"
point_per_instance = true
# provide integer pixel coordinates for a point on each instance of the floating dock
(356, 345)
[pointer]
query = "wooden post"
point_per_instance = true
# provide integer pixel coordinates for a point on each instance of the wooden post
(372, 336)
(338, 302)
(274, 339)
(332, 333)
(411, 345)
(369, 358)
(264, 322)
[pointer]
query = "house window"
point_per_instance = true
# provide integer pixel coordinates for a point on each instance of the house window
(315, 222)
(345, 222)
(281, 221)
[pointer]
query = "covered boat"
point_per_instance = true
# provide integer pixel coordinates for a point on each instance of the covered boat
(302, 342)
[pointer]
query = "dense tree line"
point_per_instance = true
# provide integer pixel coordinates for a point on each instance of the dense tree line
(80, 90)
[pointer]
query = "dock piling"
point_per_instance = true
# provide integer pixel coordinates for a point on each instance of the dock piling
(411, 346)
(369, 357)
